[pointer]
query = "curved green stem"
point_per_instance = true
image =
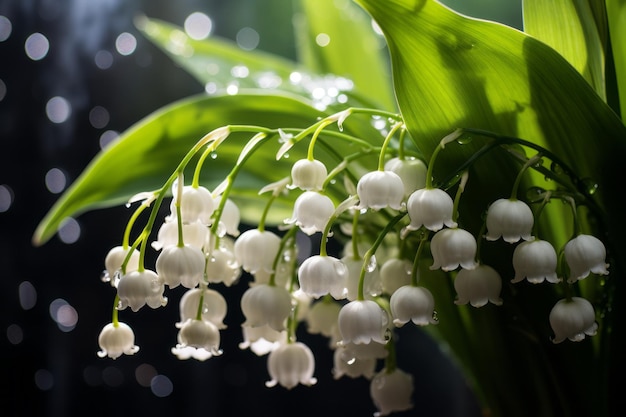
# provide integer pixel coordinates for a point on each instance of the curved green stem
(281, 250)
(383, 151)
(418, 253)
(518, 178)
(371, 251)
(115, 313)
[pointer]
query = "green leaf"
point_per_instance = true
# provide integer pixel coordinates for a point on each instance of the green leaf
(616, 12)
(144, 157)
(220, 61)
(336, 37)
(569, 27)
(452, 71)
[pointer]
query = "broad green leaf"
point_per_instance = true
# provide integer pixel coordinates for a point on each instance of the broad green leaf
(616, 12)
(220, 61)
(337, 37)
(569, 27)
(145, 156)
(453, 71)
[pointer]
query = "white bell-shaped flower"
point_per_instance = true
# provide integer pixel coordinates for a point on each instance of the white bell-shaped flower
(194, 234)
(181, 265)
(320, 275)
(391, 391)
(201, 335)
(573, 319)
(256, 250)
(395, 273)
(478, 286)
(196, 204)
(536, 261)
(311, 212)
(213, 309)
(452, 248)
(115, 340)
(262, 339)
(510, 219)
(414, 304)
(265, 304)
(184, 353)
(346, 364)
(363, 321)
(585, 254)
(322, 317)
(138, 288)
(114, 260)
(291, 364)
(372, 285)
(222, 267)
(431, 208)
(230, 218)
(308, 175)
(411, 171)
(380, 189)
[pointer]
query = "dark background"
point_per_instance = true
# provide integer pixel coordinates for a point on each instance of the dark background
(51, 370)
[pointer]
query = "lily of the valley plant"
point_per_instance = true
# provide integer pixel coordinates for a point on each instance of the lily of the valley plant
(476, 195)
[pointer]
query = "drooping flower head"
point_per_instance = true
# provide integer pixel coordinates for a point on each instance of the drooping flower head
(416, 304)
(311, 212)
(536, 261)
(411, 171)
(452, 248)
(363, 322)
(573, 319)
(510, 219)
(322, 317)
(291, 364)
(431, 208)
(395, 273)
(320, 275)
(264, 304)
(138, 288)
(380, 189)
(115, 340)
(178, 265)
(201, 335)
(256, 250)
(478, 286)
(391, 391)
(196, 204)
(114, 260)
(308, 175)
(585, 254)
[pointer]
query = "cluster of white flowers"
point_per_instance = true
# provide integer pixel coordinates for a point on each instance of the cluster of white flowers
(352, 300)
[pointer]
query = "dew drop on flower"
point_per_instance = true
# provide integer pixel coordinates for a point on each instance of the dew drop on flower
(105, 277)
(464, 140)
(371, 264)
(213, 155)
